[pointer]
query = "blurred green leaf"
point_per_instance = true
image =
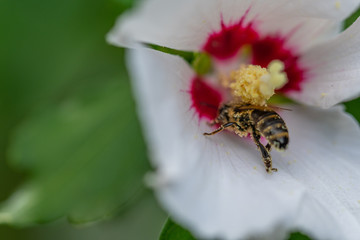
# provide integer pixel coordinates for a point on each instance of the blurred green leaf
(172, 231)
(186, 55)
(201, 62)
(352, 18)
(86, 158)
(298, 236)
(353, 108)
(76, 143)
(127, 3)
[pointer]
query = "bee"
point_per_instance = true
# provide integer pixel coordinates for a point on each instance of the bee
(258, 121)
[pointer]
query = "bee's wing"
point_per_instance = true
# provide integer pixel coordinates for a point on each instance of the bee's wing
(263, 108)
(279, 108)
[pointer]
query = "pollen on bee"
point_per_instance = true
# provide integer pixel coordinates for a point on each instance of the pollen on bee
(254, 84)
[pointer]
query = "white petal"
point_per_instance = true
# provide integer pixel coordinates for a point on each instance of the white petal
(334, 70)
(186, 24)
(324, 157)
(183, 24)
(163, 93)
(300, 32)
(217, 186)
(332, 9)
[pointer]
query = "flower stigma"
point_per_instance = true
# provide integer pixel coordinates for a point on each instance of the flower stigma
(254, 84)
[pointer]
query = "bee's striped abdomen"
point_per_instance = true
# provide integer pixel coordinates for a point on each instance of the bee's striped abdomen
(272, 127)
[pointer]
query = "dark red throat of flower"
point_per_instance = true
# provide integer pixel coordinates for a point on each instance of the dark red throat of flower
(205, 99)
(228, 41)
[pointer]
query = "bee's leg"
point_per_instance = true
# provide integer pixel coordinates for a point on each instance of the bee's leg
(222, 127)
(264, 151)
(268, 147)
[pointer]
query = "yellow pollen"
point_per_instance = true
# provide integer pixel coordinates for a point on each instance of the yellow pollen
(338, 4)
(254, 84)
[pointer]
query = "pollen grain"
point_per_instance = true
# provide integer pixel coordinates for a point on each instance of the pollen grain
(254, 84)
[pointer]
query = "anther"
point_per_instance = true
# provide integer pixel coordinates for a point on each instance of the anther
(255, 85)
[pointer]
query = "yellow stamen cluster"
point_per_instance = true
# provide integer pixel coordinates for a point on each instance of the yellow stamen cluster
(254, 84)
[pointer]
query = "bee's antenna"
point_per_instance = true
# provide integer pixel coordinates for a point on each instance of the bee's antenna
(208, 105)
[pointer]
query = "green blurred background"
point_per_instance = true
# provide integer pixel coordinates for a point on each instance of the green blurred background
(70, 143)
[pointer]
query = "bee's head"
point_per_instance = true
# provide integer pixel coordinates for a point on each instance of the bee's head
(223, 107)
(223, 111)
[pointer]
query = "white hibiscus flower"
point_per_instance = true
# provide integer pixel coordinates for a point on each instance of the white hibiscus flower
(216, 186)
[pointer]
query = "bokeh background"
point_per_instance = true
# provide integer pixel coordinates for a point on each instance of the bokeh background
(70, 143)
(72, 157)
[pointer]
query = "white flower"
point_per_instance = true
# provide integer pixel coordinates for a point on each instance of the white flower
(216, 186)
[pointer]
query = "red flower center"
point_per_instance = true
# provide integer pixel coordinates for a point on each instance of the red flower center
(269, 48)
(205, 99)
(227, 43)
